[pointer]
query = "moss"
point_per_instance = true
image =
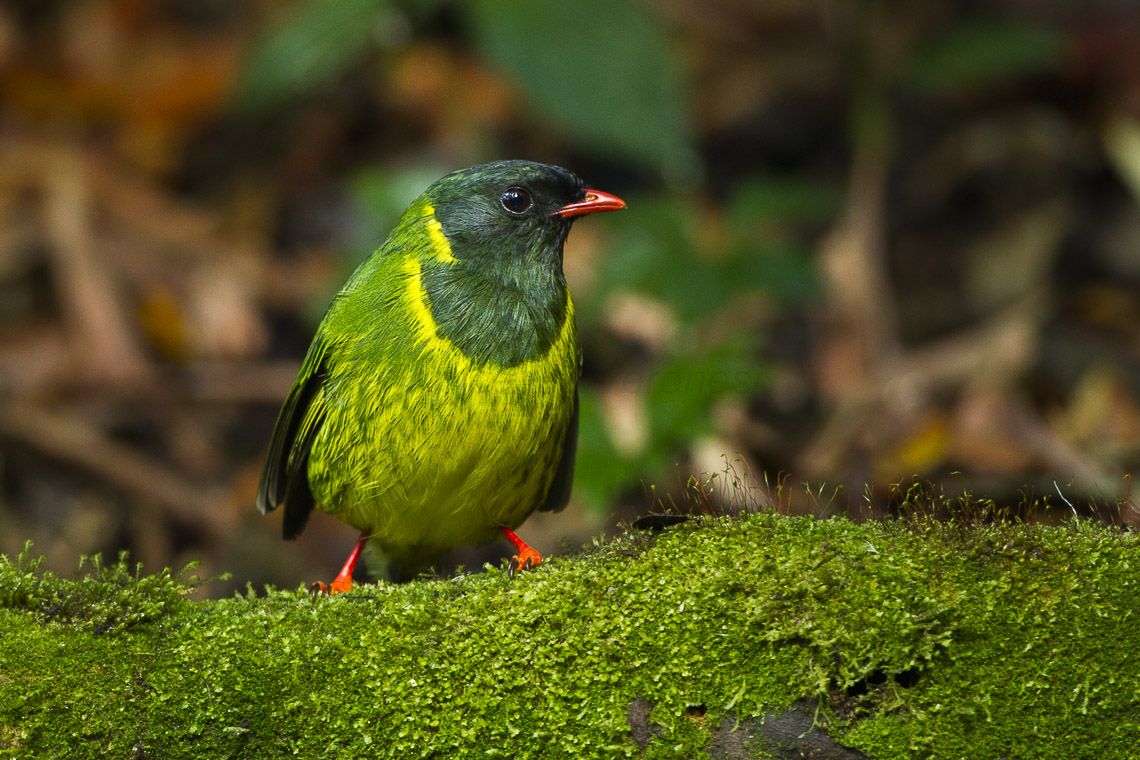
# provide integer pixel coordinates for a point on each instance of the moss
(905, 638)
(105, 598)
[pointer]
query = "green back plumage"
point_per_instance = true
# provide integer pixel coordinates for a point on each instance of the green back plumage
(459, 325)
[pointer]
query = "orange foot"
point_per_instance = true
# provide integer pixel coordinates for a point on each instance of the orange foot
(343, 580)
(527, 557)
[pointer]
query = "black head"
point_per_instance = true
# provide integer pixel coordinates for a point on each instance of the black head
(512, 212)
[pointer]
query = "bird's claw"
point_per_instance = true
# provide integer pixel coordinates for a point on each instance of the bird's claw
(343, 580)
(338, 586)
(526, 559)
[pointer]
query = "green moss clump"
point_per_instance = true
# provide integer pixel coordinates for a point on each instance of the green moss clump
(104, 598)
(897, 639)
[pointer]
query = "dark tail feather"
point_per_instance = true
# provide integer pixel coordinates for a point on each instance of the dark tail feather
(298, 500)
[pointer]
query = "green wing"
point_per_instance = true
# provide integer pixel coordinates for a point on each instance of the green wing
(559, 494)
(285, 478)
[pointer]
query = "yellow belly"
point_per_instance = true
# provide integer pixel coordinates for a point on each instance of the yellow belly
(438, 451)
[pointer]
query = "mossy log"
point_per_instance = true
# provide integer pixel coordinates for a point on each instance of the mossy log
(758, 636)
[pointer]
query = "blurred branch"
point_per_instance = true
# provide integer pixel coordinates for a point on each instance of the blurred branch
(860, 319)
(99, 331)
(999, 350)
(74, 442)
(239, 383)
(882, 394)
(1122, 145)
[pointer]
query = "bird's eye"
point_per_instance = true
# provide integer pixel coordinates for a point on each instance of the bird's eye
(516, 200)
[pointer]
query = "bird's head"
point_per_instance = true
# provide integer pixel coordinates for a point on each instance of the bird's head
(512, 214)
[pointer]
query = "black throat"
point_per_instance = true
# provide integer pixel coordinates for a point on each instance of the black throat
(496, 319)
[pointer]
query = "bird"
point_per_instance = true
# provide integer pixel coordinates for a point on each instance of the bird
(437, 404)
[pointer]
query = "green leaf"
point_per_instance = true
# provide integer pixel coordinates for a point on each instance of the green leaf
(317, 42)
(655, 250)
(603, 70)
(983, 53)
(783, 199)
(767, 218)
(788, 274)
(682, 393)
(600, 471)
(655, 253)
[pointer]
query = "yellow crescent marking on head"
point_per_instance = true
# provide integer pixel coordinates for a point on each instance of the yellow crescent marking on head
(417, 301)
(439, 241)
(427, 329)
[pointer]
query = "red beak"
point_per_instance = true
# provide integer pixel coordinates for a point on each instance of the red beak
(595, 200)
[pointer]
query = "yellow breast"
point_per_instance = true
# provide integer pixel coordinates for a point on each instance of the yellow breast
(444, 450)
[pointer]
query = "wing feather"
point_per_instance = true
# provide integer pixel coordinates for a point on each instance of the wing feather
(285, 479)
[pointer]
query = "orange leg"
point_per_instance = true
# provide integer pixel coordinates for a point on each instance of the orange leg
(343, 580)
(526, 558)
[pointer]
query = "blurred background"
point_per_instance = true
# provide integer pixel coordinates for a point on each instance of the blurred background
(868, 245)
